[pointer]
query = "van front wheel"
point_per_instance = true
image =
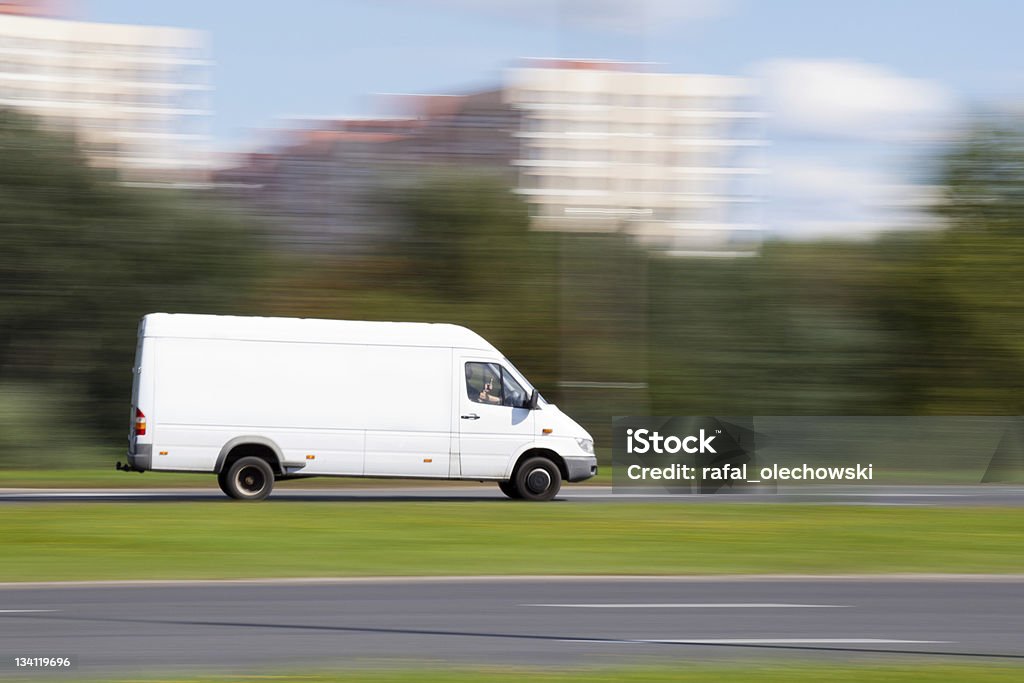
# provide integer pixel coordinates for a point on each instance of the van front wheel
(249, 479)
(538, 479)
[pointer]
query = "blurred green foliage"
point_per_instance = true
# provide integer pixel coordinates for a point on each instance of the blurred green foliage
(81, 259)
(914, 323)
(28, 410)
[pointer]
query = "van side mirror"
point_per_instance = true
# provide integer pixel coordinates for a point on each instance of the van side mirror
(534, 400)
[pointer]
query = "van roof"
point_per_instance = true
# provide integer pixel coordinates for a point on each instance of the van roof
(313, 330)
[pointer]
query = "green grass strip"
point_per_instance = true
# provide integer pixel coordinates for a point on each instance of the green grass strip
(68, 541)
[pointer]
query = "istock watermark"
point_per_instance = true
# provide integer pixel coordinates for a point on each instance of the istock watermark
(704, 454)
(644, 440)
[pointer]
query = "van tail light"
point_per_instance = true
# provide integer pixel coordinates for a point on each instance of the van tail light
(140, 423)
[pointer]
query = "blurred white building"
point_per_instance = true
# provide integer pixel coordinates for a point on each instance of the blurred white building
(674, 159)
(136, 97)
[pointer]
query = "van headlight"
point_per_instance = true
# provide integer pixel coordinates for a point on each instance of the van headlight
(586, 445)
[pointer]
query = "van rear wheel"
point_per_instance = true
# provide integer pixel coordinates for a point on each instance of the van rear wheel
(538, 479)
(249, 479)
(509, 489)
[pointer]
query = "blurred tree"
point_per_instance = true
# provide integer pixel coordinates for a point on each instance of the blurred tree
(790, 332)
(467, 233)
(976, 268)
(83, 257)
(983, 182)
(910, 324)
(468, 244)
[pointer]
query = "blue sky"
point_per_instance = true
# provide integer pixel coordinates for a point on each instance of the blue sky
(885, 71)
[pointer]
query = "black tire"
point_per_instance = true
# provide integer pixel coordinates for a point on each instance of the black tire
(222, 482)
(509, 489)
(538, 479)
(249, 478)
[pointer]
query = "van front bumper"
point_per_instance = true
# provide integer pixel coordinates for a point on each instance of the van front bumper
(142, 458)
(580, 467)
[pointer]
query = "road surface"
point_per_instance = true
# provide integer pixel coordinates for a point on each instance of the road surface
(300, 625)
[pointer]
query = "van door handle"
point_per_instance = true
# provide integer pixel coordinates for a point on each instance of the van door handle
(471, 416)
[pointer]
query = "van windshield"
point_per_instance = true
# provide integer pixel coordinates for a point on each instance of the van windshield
(514, 371)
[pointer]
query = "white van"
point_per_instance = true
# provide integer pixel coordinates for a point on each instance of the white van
(261, 399)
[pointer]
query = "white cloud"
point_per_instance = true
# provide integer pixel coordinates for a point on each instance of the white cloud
(824, 180)
(822, 197)
(839, 98)
(846, 140)
(618, 16)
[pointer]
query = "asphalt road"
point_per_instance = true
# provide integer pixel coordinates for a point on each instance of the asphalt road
(542, 621)
(997, 495)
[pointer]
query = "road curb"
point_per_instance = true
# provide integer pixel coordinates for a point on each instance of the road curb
(514, 578)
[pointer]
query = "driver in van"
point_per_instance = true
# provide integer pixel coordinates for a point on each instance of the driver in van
(486, 396)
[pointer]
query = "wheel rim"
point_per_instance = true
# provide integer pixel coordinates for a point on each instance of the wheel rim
(538, 480)
(250, 481)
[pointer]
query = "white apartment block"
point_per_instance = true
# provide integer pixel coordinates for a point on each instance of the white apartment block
(136, 97)
(673, 159)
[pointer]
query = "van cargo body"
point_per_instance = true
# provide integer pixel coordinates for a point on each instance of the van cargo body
(256, 400)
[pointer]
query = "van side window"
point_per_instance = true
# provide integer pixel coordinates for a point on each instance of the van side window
(483, 383)
(492, 384)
